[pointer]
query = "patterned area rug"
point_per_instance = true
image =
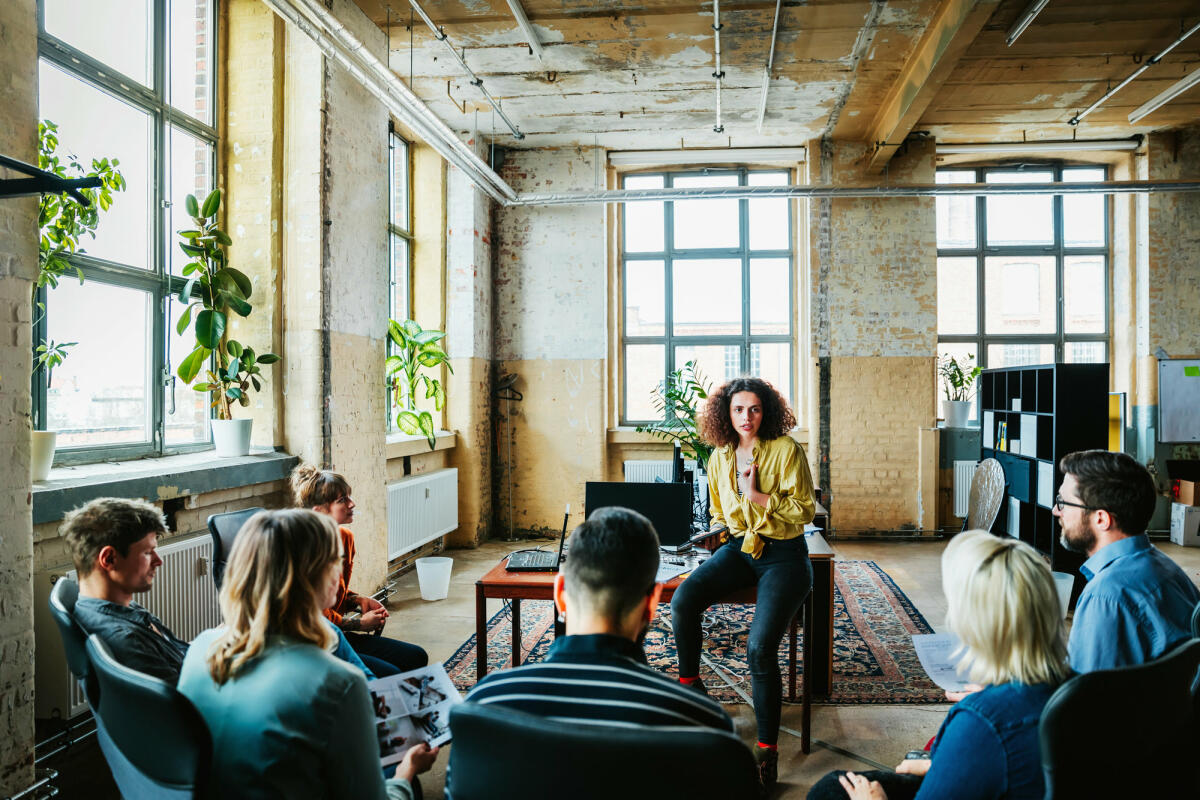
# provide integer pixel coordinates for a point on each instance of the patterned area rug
(873, 656)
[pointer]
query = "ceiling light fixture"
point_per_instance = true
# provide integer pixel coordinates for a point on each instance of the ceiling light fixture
(1072, 145)
(717, 73)
(762, 101)
(1165, 96)
(1027, 16)
(526, 27)
(726, 155)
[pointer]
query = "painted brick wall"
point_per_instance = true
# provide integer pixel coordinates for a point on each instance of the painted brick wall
(1173, 287)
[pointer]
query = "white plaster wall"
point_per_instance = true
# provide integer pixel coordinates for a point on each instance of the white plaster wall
(469, 329)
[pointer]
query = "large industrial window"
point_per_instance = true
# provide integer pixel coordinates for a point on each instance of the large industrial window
(400, 240)
(708, 280)
(145, 97)
(1023, 279)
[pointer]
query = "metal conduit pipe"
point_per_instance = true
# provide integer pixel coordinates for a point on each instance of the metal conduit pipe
(717, 73)
(1075, 119)
(340, 45)
(518, 12)
(476, 81)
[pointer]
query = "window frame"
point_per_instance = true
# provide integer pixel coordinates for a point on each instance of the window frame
(155, 280)
(395, 232)
(669, 254)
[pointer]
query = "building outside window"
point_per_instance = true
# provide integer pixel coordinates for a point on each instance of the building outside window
(1023, 279)
(147, 98)
(400, 240)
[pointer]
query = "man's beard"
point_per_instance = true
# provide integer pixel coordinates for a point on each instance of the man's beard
(1083, 538)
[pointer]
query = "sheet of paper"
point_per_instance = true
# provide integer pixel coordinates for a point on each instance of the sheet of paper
(811, 528)
(410, 708)
(934, 651)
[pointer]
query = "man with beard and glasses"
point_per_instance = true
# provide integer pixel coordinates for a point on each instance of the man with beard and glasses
(1138, 603)
(597, 673)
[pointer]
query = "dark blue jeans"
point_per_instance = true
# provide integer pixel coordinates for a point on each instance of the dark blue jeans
(379, 653)
(783, 576)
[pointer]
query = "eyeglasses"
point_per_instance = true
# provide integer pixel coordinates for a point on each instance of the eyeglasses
(1059, 503)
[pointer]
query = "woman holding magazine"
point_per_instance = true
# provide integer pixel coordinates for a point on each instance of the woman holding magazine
(272, 696)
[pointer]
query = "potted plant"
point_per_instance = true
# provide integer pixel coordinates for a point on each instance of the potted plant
(958, 382)
(222, 290)
(63, 221)
(415, 348)
(677, 400)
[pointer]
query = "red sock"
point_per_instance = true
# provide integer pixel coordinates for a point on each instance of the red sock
(766, 746)
(688, 681)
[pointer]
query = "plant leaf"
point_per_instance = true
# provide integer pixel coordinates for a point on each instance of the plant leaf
(408, 423)
(234, 348)
(184, 320)
(426, 422)
(240, 280)
(193, 208)
(267, 358)
(190, 367)
(210, 327)
(211, 203)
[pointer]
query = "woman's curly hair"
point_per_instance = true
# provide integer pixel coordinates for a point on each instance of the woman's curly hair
(716, 428)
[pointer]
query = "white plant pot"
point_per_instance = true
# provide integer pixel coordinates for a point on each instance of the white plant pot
(41, 454)
(232, 437)
(957, 413)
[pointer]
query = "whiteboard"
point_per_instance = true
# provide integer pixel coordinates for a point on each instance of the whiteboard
(1179, 400)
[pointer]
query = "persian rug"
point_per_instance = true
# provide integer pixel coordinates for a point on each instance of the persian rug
(873, 657)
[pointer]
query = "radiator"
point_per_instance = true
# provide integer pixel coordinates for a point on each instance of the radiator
(183, 597)
(420, 509)
(964, 471)
(647, 471)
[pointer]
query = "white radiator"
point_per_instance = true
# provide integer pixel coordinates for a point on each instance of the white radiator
(183, 597)
(420, 509)
(964, 471)
(647, 471)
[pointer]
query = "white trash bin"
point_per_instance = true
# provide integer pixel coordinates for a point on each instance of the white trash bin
(1063, 582)
(433, 573)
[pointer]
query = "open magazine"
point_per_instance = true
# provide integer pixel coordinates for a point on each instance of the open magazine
(411, 708)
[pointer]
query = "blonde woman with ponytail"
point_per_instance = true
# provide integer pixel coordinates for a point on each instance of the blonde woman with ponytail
(287, 718)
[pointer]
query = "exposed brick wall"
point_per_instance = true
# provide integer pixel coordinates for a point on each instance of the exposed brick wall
(1173, 271)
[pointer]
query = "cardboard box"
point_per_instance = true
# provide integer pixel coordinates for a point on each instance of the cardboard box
(1185, 481)
(1185, 525)
(1185, 492)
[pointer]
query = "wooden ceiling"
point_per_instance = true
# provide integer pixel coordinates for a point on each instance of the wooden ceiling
(639, 75)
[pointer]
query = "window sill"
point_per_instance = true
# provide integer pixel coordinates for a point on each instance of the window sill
(630, 435)
(399, 445)
(155, 479)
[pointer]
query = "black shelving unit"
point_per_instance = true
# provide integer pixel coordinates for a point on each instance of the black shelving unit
(1031, 417)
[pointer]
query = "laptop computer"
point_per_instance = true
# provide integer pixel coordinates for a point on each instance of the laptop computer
(668, 506)
(539, 560)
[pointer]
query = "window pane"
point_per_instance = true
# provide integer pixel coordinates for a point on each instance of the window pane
(399, 204)
(1019, 355)
(1083, 294)
(707, 297)
(770, 296)
(1020, 294)
(100, 393)
(717, 363)
(123, 234)
(772, 361)
(191, 173)
(644, 225)
(399, 278)
(703, 224)
(1083, 214)
(188, 423)
(93, 27)
(1085, 352)
(1023, 219)
(645, 369)
(958, 305)
(965, 353)
(770, 220)
(955, 215)
(645, 298)
(191, 57)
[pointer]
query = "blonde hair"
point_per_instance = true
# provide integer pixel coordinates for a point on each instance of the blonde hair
(317, 487)
(1003, 605)
(275, 584)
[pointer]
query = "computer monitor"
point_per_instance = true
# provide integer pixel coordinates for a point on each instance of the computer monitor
(668, 506)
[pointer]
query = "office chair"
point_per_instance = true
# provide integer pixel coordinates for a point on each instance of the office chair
(502, 754)
(987, 493)
(1196, 621)
(224, 529)
(1142, 719)
(155, 727)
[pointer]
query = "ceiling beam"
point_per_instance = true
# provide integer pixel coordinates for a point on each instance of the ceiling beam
(954, 26)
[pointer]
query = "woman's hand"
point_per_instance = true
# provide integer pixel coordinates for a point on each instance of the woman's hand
(749, 479)
(970, 688)
(913, 766)
(367, 603)
(859, 788)
(373, 619)
(418, 759)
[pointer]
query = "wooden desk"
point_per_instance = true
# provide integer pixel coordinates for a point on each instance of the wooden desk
(818, 619)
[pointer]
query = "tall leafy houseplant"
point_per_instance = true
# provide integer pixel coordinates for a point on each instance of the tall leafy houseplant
(677, 400)
(223, 291)
(958, 382)
(415, 349)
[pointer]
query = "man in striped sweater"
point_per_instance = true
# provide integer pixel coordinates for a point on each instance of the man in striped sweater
(597, 673)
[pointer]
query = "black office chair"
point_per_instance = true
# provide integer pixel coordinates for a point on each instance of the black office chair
(1142, 719)
(1196, 621)
(500, 754)
(224, 529)
(154, 726)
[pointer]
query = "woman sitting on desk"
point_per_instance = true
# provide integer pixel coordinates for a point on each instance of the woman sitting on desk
(760, 489)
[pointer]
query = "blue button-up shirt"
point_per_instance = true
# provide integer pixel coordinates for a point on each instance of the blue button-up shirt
(1136, 606)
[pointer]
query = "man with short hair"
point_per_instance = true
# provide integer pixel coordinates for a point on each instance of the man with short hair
(113, 544)
(597, 673)
(1138, 603)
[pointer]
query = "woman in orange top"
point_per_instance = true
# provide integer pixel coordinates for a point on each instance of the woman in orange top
(361, 617)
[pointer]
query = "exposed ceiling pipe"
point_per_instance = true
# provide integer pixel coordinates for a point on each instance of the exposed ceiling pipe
(340, 45)
(1040, 146)
(1027, 16)
(1075, 119)
(717, 72)
(476, 81)
(518, 12)
(762, 101)
(1165, 96)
